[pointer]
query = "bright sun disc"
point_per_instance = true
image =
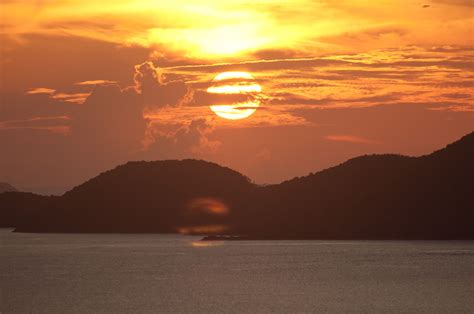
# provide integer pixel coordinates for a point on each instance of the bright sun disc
(235, 83)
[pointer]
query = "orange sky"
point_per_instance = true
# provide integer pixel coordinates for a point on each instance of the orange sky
(86, 86)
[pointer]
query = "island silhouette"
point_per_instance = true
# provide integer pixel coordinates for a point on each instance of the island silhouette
(367, 197)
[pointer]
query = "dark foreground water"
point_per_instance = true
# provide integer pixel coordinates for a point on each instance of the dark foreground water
(90, 273)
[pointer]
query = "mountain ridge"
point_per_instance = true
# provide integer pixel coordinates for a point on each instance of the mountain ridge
(6, 187)
(367, 197)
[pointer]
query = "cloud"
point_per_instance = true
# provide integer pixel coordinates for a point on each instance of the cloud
(110, 122)
(337, 101)
(272, 54)
(203, 98)
(454, 108)
(351, 139)
(156, 91)
(41, 90)
(233, 29)
(58, 61)
(96, 82)
(350, 74)
(467, 3)
(457, 83)
(308, 104)
(369, 37)
(190, 140)
(21, 106)
(78, 24)
(259, 65)
(107, 129)
(457, 95)
(75, 98)
(57, 124)
(35, 119)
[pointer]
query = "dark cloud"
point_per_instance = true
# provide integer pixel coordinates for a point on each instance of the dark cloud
(349, 65)
(467, 3)
(187, 141)
(457, 95)
(61, 61)
(110, 122)
(365, 36)
(54, 123)
(392, 95)
(203, 98)
(455, 63)
(75, 24)
(294, 99)
(272, 54)
(262, 65)
(296, 84)
(20, 106)
(96, 82)
(452, 49)
(348, 74)
(103, 132)
(108, 129)
(457, 83)
(155, 90)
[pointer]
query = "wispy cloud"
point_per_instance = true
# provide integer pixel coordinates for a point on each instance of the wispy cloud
(41, 90)
(76, 98)
(95, 82)
(56, 124)
(352, 139)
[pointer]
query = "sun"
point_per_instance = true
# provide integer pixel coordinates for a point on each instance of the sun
(235, 85)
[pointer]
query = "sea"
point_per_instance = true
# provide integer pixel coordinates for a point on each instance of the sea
(156, 273)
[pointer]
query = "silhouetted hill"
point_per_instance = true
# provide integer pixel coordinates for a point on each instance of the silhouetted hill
(5, 187)
(18, 208)
(368, 197)
(377, 196)
(159, 196)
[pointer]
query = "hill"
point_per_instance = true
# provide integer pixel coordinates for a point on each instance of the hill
(158, 196)
(367, 197)
(376, 197)
(5, 187)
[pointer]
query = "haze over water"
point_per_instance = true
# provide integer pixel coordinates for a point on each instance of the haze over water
(144, 273)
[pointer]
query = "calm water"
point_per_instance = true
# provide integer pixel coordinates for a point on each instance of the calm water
(72, 273)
